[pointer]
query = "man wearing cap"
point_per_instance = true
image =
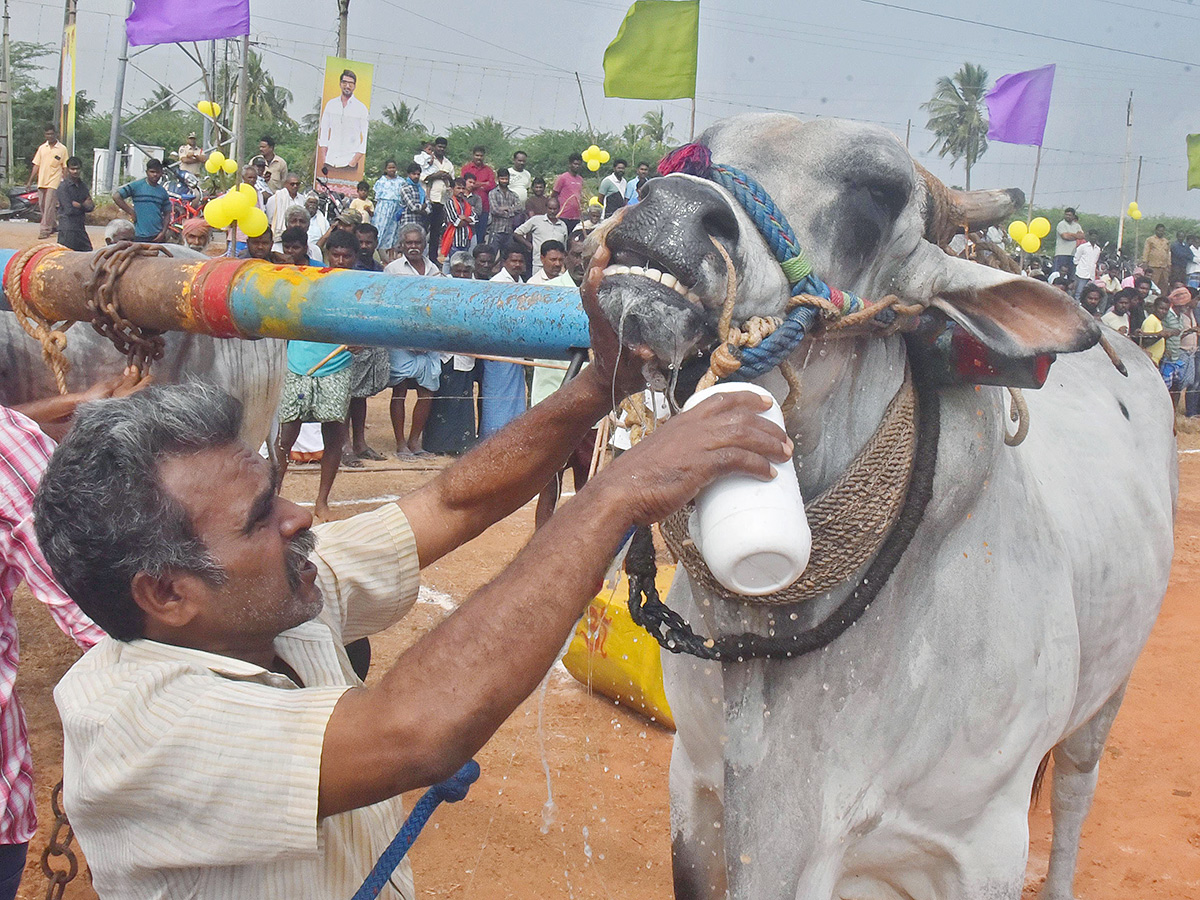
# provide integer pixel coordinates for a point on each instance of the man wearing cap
(191, 157)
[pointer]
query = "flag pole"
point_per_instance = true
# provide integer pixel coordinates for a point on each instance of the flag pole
(1033, 189)
(114, 131)
(692, 123)
(1125, 175)
(1137, 223)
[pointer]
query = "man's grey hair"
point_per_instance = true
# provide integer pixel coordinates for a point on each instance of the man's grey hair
(297, 212)
(118, 230)
(102, 513)
(462, 258)
(412, 228)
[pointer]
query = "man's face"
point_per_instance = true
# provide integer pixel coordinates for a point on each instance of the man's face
(51, 136)
(502, 180)
(293, 185)
(643, 171)
(552, 208)
(297, 254)
(1161, 305)
(619, 170)
(519, 162)
(1093, 238)
(265, 149)
(1064, 269)
(552, 263)
(341, 258)
(249, 175)
(310, 204)
(73, 172)
(477, 157)
(191, 141)
(348, 85)
(259, 247)
(470, 188)
(539, 190)
(514, 264)
(1143, 289)
(154, 175)
(367, 244)
(460, 191)
(198, 241)
(1069, 215)
(574, 261)
(460, 270)
(595, 212)
(439, 151)
(1160, 231)
(1091, 299)
(414, 248)
(575, 165)
(1121, 306)
(1179, 236)
(485, 265)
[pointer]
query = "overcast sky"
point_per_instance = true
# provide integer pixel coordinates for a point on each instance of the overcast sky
(878, 62)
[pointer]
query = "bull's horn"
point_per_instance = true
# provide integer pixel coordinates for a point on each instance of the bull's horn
(949, 210)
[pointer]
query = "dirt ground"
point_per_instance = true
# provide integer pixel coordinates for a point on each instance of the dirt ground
(606, 834)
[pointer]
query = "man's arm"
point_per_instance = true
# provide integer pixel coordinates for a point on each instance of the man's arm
(447, 695)
(119, 199)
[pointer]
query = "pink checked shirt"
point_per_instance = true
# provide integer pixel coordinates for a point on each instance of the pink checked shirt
(24, 451)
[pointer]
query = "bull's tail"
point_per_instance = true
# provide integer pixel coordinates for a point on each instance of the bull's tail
(1038, 778)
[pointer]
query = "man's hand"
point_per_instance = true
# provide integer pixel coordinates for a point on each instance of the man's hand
(128, 382)
(620, 366)
(724, 434)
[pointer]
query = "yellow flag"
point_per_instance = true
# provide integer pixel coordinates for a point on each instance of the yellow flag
(1193, 145)
(654, 54)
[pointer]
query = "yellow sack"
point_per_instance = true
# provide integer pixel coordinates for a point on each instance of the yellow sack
(617, 658)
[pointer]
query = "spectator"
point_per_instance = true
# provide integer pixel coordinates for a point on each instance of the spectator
(1068, 233)
(362, 201)
(371, 369)
(1086, 260)
(568, 190)
(151, 204)
(1189, 345)
(424, 157)
(536, 231)
(295, 247)
(1156, 257)
(1117, 317)
(275, 169)
(1172, 366)
(1138, 302)
(1106, 280)
(485, 181)
(318, 227)
(595, 215)
(519, 178)
(49, 160)
(502, 389)
(535, 203)
(260, 182)
(553, 255)
(259, 247)
(1091, 298)
(1181, 258)
(460, 222)
(1153, 334)
(281, 202)
(1062, 274)
(389, 202)
(633, 193)
(196, 234)
(191, 157)
(367, 236)
(250, 176)
(450, 429)
(414, 200)
(317, 389)
(485, 260)
(437, 183)
(613, 187)
(74, 203)
(1193, 268)
(474, 200)
(505, 208)
(118, 230)
(416, 369)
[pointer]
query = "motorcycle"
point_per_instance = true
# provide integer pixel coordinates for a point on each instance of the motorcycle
(329, 202)
(22, 204)
(187, 199)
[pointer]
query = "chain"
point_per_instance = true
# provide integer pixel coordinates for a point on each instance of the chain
(59, 847)
(141, 346)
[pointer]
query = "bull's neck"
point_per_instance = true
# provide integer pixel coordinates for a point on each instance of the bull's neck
(845, 388)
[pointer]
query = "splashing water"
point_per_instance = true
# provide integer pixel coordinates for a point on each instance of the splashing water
(549, 808)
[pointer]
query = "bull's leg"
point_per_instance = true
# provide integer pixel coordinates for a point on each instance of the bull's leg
(697, 846)
(1076, 769)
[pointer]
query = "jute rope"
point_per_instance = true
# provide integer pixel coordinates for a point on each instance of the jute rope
(52, 338)
(849, 521)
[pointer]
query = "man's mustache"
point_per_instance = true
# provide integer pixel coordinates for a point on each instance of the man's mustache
(300, 547)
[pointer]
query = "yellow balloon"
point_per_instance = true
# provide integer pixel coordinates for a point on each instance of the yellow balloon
(239, 204)
(248, 192)
(1031, 243)
(216, 109)
(1039, 227)
(1132, 205)
(211, 166)
(1136, 214)
(204, 107)
(604, 157)
(218, 157)
(229, 167)
(217, 214)
(1017, 230)
(594, 165)
(253, 223)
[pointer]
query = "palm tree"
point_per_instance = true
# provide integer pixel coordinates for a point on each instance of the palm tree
(655, 127)
(162, 98)
(402, 116)
(957, 116)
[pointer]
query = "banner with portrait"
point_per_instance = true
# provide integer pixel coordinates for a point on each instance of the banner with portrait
(345, 114)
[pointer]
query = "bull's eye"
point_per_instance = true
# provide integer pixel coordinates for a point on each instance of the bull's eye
(888, 196)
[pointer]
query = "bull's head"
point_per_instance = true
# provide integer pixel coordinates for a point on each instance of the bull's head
(870, 220)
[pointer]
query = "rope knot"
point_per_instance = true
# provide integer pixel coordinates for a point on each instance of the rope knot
(796, 268)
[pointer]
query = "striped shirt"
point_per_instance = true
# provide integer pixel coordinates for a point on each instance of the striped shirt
(24, 451)
(189, 774)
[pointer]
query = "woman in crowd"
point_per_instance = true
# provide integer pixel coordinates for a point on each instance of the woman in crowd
(387, 205)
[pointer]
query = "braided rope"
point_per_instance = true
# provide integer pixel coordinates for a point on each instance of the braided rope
(53, 340)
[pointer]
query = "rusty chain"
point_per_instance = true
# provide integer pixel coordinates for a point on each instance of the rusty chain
(59, 847)
(141, 346)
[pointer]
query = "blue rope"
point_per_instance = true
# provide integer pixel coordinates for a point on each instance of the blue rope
(451, 790)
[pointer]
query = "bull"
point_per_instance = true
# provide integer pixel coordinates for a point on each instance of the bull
(898, 761)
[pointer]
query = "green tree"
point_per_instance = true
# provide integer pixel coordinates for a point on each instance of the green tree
(402, 116)
(957, 116)
(162, 98)
(655, 127)
(24, 60)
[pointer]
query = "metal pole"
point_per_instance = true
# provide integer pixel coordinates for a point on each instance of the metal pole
(114, 131)
(1137, 190)
(239, 110)
(907, 134)
(1125, 175)
(343, 22)
(6, 101)
(692, 123)
(1033, 190)
(210, 93)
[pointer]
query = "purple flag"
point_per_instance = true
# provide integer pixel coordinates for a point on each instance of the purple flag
(1018, 105)
(169, 21)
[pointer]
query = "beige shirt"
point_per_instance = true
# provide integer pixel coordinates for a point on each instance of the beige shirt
(276, 172)
(191, 159)
(51, 161)
(189, 774)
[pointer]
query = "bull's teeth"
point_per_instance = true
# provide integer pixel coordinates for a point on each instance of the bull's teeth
(669, 280)
(609, 270)
(681, 290)
(621, 270)
(654, 274)
(636, 270)
(693, 297)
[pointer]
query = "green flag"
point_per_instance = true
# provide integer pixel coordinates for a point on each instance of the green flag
(1193, 142)
(654, 54)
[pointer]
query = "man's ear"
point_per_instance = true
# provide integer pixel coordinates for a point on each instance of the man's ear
(171, 600)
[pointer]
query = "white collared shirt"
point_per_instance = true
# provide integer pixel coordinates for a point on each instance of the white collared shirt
(343, 130)
(189, 774)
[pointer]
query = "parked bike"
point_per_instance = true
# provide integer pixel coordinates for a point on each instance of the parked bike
(187, 199)
(22, 204)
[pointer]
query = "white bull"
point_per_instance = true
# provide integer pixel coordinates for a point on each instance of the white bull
(898, 761)
(251, 371)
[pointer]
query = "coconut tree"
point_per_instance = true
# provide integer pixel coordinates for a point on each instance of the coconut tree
(957, 116)
(655, 127)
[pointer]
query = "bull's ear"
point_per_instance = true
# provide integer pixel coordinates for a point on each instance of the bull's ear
(1014, 316)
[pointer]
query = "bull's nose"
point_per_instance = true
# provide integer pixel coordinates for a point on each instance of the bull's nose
(704, 205)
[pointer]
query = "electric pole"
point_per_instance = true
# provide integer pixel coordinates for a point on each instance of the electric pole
(6, 134)
(343, 21)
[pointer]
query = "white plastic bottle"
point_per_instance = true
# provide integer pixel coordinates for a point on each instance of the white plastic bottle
(753, 534)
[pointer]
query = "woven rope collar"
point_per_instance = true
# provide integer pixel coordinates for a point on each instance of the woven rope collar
(849, 521)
